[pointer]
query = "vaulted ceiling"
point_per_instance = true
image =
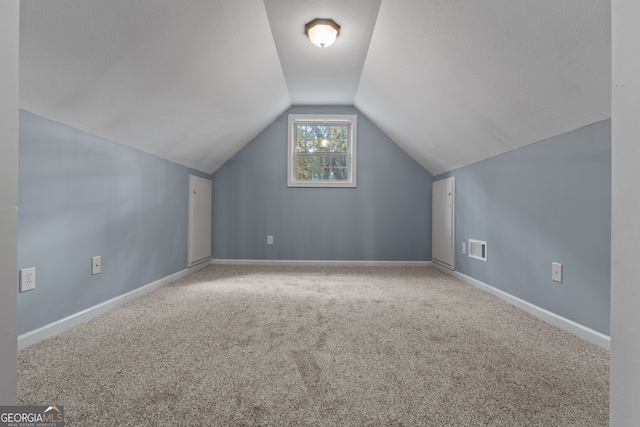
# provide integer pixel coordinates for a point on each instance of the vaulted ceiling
(451, 82)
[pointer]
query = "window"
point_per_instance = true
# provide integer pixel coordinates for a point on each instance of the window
(322, 150)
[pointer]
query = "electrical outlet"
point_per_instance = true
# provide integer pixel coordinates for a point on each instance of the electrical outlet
(556, 272)
(269, 240)
(96, 265)
(27, 279)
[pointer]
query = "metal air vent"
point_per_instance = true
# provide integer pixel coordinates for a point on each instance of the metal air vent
(478, 249)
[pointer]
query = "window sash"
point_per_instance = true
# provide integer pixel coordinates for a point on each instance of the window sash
(322, 166)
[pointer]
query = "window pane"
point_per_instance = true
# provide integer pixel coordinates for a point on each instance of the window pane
(315, 145)
(315, 161)
(303, 174)
(304, 167)
(308, 132)
(311, 145)
(328, 174)
(319, 174)
(320, 142)
(339, 174)
(305, 138)
(300, 145)
(339, 136)
(304, 161)
(339, 161)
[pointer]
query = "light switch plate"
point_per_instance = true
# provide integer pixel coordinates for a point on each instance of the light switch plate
(556, 272)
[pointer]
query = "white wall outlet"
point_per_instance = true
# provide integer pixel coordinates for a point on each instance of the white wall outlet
(464, 248)
(556, 272)
(27, 279)
(96, 265)
(269, 240)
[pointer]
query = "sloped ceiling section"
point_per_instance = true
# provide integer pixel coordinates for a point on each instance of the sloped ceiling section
(456, 82)
(322, 76)
(451, 82)
(191, 82)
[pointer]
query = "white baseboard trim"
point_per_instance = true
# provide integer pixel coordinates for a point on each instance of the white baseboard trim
(329, 263)
(563, 323)
(29, 338)
(32, 337)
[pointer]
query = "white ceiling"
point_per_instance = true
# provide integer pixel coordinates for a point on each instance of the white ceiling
(322, 76)
(455, 82)
(451, 82)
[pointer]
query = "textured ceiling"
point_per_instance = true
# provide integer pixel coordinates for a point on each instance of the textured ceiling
(451, 82)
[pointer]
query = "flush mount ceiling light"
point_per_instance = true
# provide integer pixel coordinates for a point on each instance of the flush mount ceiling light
(322, 32)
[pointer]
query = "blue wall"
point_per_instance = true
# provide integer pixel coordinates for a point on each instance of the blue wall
(387, 217)
(82, 196)
(549, 201)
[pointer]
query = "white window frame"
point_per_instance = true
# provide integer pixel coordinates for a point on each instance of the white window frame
(294, 119)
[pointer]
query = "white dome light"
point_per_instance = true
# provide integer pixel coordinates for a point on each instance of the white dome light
(322, 32)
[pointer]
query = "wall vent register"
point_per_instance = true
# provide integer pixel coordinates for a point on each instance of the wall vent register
(478, 249)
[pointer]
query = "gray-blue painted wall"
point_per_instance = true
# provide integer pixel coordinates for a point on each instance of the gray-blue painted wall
(387, 217)
(549, 201)
(82, 196)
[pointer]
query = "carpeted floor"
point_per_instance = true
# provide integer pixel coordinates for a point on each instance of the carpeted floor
(318, 346)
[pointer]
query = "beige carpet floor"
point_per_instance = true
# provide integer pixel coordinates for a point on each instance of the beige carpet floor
(318, 346)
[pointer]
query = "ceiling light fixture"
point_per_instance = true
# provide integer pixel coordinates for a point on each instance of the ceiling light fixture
(322, 32)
